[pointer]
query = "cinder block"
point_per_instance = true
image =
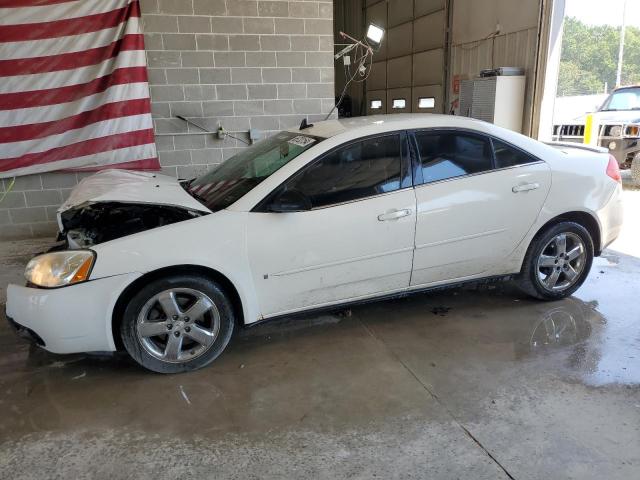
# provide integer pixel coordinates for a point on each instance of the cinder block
(180, 7)
(4, 218)
(292, 90)
(171, 159)
(305, 75)
(157, 76)
(307, 106)
(160, 110)
(207, 156)
(327, 75)
(226, 25)
(209, 7)
(27, 182)
(303, 9)
(183, 76)
(232, 92)
(215, 75)
(258, 25)
(264, 122)
(290, 59)
(248, 107)
(166, 93)
(246, 75)
(189, 142)
(58, 180)
(318, 26)
(179, 41)
(170, 171)
(160, 23)
(170, 125)
(305, 43)
(14, 200)
(28, 215)
(164, 144)
(244, 42)
(197, 59)
(193, 24)
(200, 92)
(320, 90)
(275, 43)
(163, 59)
(289, 25)
(260, 59)
(52, 212)
(148, 6)
(316, 59)
(276, 75)
(278, 107)
(229, 59)
(15, 232)
(47, 229)
(217, 109)
(186, 109)
(273, 9)
(242, 8)
(212, 42)
(290, 121)
(325, 10)
(67, 191)
(262, 91)
(326, 43)
(153, 41)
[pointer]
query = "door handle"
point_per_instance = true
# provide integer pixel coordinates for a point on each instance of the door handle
(394, 215)
(525, 187)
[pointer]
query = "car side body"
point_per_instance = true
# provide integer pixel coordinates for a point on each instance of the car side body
(415, 238)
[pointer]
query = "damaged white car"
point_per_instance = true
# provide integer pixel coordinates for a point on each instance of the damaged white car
(341, 212)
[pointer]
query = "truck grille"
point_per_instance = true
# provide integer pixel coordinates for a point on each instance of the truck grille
(568, 130)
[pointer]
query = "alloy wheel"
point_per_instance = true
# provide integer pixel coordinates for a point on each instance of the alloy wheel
(561, 262)
(178, 325)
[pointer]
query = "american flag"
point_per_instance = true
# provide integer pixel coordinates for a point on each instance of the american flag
(73, 87)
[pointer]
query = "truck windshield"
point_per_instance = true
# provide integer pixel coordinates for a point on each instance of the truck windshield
(624, 99)
(230, 181)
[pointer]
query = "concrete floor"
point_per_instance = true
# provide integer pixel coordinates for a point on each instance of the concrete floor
(461, 384)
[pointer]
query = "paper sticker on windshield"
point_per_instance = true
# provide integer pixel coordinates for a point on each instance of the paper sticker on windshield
(301, 141)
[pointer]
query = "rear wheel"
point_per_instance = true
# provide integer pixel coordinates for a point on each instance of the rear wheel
(557, 262)
(177, 324)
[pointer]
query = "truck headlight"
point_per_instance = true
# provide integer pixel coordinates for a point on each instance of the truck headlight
(58, 269)
(632, 131)
(615, 131)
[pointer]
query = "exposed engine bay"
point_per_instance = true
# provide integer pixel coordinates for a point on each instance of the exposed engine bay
(94, 223)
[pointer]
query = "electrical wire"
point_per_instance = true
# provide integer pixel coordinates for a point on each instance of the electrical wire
(237, 138)
(9, 188)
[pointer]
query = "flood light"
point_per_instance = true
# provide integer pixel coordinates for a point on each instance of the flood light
(399, 103)
(426, 102)
(376, 104)
(375, 33)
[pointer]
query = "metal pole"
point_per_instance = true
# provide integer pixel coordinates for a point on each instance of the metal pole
(621, 49)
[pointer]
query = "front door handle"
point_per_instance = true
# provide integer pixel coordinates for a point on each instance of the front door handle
(394, 215)
(525, 187)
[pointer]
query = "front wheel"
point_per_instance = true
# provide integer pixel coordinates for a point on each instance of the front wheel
(557, 262)
(177, 324)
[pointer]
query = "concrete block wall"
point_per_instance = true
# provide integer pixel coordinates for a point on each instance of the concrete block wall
(241, 64)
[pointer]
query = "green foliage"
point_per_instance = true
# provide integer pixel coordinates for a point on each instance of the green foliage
(590, 57)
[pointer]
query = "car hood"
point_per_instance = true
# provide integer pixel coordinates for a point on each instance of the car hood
(613, 117)
(131, 187)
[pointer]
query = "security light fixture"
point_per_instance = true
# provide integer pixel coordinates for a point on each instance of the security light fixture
(375, 104)
(375, 34)
(399, 103)
(426, 102)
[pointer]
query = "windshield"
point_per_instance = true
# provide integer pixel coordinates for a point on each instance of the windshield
(231, 180)
(625, 99)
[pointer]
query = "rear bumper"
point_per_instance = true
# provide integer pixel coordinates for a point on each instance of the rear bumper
(71, 319)
(611, 218)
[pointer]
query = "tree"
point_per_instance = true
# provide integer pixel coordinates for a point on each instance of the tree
(590, 55)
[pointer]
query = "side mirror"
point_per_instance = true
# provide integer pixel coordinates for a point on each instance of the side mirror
(290, 201)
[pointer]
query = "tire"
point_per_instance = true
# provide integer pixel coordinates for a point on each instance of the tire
(545, 256)
(158, 330)
(635, 169)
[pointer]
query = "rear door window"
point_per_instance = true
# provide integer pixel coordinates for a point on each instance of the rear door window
(508, 156)
(445, 155)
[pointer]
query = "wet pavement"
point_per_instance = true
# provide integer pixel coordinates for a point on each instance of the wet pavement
(468, 383)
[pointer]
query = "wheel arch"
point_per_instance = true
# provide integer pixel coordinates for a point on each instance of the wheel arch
(185, 269)
(586, 219)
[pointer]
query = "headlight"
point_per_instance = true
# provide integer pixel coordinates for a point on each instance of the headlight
(57, 269)
(632, 131)
(615, 131)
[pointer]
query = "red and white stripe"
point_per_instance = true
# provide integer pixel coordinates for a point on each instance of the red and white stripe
(74, 92)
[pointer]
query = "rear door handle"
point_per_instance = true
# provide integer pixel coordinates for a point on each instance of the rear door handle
(525, 187)
(394, 215)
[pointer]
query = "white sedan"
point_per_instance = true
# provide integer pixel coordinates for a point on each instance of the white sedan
(341, 212)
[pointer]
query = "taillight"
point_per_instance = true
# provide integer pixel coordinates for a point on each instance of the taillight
(613, 170)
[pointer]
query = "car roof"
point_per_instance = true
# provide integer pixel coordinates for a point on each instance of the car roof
(396, 121)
